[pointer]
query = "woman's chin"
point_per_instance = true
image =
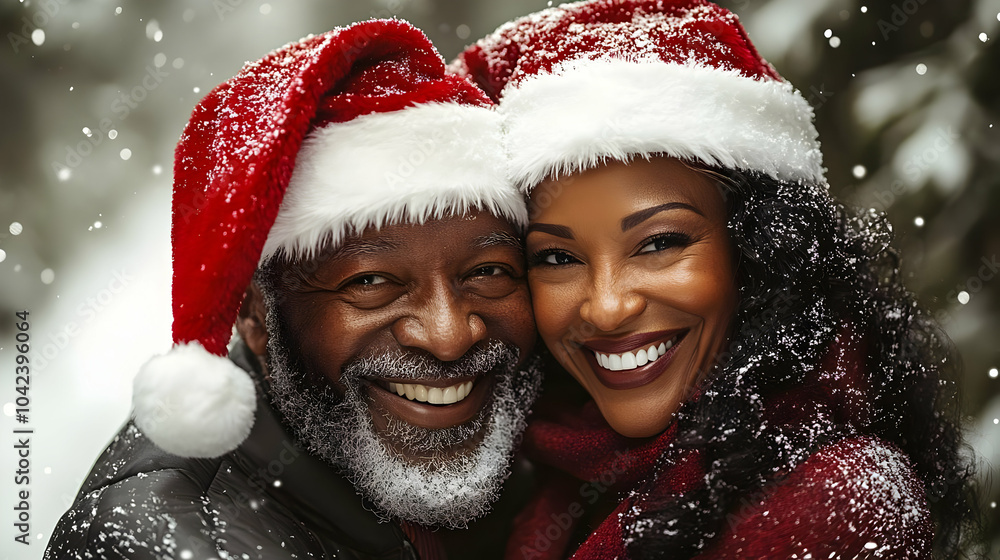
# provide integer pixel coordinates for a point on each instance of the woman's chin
(636, 419)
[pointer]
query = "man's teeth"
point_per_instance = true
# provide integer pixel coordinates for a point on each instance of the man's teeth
(432, 395)
(632, 360)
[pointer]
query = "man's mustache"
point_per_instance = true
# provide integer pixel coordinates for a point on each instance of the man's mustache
(399, 364)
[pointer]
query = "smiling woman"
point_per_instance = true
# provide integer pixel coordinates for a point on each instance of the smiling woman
(632, 275)
(754, 362)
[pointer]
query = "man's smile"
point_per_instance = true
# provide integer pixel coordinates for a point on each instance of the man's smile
(417, 404)
(432, 394)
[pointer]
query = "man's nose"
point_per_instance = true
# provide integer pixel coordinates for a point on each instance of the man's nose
(441, 322)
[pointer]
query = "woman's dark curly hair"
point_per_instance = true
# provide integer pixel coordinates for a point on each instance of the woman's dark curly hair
(808, 265)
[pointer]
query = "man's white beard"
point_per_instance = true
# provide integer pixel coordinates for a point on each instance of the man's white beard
(451, 489)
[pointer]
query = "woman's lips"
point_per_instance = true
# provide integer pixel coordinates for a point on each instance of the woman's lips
(633, 361)
(631, 342)
(419, 411)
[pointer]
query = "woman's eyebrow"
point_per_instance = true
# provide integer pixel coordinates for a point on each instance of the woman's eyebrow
(551, 229)
(636, 218)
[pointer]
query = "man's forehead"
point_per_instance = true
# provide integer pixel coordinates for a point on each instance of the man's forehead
(358, 246)
(396, 239)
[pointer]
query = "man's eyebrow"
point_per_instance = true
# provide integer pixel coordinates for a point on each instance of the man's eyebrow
(497, 238)
(551, 229)
(307, 271)
(362, 247)
(636, 218)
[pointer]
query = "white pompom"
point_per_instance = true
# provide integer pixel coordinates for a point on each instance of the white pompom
(192, 403)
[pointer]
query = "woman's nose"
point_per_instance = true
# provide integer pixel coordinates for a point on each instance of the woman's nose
(610, 302)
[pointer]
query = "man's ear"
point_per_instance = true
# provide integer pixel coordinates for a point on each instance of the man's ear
(251, 322)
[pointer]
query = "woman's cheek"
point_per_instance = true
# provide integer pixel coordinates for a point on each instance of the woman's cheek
(552, 309)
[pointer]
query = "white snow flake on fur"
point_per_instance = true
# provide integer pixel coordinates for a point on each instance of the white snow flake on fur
(424, 162)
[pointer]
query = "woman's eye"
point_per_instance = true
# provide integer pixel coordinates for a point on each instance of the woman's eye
(664, 242)
(553, 258)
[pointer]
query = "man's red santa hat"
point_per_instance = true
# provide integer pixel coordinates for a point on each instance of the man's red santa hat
(615, 79)
(357, 127)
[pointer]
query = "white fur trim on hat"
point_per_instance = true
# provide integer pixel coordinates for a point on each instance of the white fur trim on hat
(192, 403)
(419, 163)
(587, 111)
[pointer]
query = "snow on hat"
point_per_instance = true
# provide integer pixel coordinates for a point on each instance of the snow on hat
(357, 127)
(588, 81)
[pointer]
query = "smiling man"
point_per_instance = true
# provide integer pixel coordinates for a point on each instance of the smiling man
(344, 203)
(405, 375)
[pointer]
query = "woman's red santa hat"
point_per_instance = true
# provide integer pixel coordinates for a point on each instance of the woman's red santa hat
(357, 127)
(585, 82)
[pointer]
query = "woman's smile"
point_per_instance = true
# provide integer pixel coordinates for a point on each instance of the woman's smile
(635, 360)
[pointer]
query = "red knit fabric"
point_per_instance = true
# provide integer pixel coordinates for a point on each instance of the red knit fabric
(598, 460)
(855, 498)
(427, 543)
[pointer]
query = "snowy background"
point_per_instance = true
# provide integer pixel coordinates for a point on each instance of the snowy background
(94, 94)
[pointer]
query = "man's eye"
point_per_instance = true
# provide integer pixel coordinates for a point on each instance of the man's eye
(489, 270)
(368, 280)
(492, 280)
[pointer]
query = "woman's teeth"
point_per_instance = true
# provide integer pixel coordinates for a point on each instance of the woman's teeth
(632, 360)
(432, 395)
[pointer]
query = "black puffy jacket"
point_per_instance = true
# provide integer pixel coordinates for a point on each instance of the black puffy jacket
(267, 500)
